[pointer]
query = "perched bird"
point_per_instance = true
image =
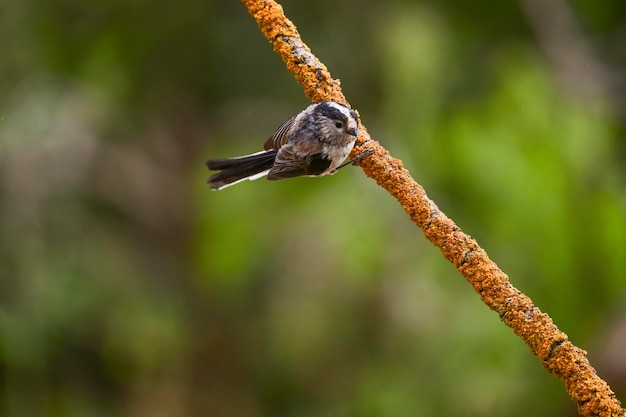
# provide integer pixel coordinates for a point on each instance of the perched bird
(312, 143)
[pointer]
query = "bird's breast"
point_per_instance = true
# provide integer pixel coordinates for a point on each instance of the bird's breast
(337, 154)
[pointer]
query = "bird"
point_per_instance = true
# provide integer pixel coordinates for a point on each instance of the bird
(312, 143)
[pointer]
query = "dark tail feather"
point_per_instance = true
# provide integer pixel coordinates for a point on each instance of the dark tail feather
(233, 170)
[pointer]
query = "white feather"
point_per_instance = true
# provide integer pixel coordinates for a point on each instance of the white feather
(251, 177)
(246, 156)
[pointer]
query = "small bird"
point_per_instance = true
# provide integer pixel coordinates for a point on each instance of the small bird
(312, 143)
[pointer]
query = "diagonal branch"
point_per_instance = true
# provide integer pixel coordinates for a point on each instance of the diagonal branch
(560, 357)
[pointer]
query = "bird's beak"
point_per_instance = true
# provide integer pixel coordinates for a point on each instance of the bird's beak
(354, 132)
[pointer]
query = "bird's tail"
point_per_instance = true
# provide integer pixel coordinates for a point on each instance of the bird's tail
(234, 170)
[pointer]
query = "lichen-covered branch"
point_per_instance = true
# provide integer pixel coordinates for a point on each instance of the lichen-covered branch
(569, 363)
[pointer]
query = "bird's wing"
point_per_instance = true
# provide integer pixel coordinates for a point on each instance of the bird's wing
(299, 158)
(280, 137)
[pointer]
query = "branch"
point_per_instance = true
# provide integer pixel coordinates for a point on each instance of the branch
(560, 357)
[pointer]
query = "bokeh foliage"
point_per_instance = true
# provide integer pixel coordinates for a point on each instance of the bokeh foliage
(128, 288)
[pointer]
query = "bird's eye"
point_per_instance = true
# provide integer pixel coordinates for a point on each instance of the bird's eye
(338, 125)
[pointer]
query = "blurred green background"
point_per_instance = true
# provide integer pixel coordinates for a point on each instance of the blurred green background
(128, 288)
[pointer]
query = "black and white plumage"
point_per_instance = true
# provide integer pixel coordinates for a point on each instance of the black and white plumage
(312, 143)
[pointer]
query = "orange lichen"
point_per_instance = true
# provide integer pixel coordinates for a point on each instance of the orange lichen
(591, 394)
(282, 33)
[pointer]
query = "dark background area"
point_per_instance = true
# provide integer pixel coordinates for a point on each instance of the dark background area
(128, 288)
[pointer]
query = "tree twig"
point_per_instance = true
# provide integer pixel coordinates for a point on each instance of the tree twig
(590, 393)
